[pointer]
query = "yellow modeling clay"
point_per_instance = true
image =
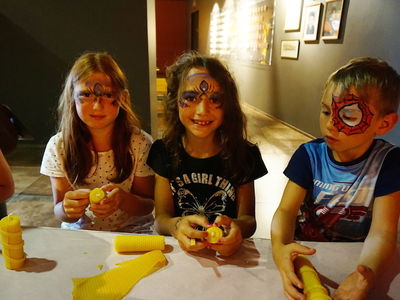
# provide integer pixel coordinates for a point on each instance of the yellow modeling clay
(214, 234)
(96, 195)
(12, 242)
(116, 283)
(132, 243)
(313, 288)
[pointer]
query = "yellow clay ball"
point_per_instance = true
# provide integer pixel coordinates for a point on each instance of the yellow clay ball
(214, 234)
(96, 195)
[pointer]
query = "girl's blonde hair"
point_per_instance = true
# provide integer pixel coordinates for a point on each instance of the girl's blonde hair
(78, 158)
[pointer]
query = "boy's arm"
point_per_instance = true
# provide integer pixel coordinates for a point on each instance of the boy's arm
(284, 249)
(377, 249)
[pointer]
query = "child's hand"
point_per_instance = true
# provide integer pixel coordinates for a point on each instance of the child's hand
(110, 203)
(185, 232)
(356, 285)
(229, 244)
(284, 257)
(75, 203)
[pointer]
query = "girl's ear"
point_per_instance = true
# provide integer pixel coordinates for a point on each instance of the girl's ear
(387, 123)
(125, 95)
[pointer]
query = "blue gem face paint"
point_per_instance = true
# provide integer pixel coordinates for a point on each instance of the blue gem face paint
(204, 86)
(200, 87)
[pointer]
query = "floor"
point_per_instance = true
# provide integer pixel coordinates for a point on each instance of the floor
(32, 200)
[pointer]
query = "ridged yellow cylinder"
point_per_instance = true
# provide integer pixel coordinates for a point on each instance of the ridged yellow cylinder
(135, 243)
(313, 288)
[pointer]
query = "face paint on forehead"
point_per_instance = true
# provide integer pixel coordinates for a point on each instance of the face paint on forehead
(194, 76)
(202, 84)
(98, 89)
(350, 115)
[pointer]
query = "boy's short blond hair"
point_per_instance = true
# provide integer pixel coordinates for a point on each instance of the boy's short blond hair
(363, 73)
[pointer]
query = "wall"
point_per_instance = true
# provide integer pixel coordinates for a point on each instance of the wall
(40, 40)
(171, 31)
(290, 89)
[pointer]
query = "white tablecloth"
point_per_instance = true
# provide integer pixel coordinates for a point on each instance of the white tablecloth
(55, 256)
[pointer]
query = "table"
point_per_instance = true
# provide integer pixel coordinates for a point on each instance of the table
(56, 255)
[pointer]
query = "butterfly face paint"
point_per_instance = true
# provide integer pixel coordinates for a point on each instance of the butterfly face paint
(200, 87)
(350, 115)
(90, 94)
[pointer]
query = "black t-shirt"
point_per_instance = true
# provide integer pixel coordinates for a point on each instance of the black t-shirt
(201, 185)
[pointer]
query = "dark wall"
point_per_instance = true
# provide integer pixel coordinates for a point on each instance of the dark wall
(40, 39)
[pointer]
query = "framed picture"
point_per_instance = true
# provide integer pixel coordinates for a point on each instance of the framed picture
(290, 49)
(311, 22)
(293, 15)
(332, 19)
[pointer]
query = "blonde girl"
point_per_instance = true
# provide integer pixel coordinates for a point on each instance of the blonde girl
(99, 145)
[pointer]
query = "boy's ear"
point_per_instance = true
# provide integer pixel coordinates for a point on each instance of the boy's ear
(387, 123)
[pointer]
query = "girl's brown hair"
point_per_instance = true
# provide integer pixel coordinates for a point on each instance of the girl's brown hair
(231, 135)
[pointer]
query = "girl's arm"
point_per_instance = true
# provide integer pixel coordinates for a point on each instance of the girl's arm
(6, 179)
(246, 220)
(137, 202)
(164, 207)
(238, 228)
(377, 250)
(69, 205)
(180, 227)
(140, 201)
(284, 249)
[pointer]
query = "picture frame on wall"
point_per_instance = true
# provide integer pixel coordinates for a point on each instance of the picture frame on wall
(293, 15)
(311, 22)
(332, 19)
(290, 49)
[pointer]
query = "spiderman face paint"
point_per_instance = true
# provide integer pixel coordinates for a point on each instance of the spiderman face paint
(350, 115)
(200, 87)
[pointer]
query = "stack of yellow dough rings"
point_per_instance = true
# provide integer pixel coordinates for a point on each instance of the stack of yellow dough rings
(313, 288)
(13, 245)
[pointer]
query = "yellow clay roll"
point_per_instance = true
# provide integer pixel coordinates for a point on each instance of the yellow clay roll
(313, 288)
(96, 195)
(134, 243)
(214, 234)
